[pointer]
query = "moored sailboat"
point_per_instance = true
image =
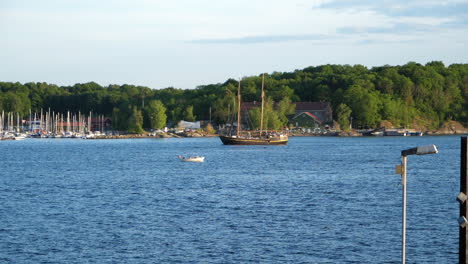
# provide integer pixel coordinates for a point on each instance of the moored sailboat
(264, 140)
(255, 137)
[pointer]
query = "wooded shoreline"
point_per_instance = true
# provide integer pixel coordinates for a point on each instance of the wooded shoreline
(412, 95)
(331, 134)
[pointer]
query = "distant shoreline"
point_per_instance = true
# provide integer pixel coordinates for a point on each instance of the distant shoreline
(197, 135)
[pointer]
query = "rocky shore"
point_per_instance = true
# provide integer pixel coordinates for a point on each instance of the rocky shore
(449, 128)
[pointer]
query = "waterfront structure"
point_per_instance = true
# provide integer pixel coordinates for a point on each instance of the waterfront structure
(321, 110)
(306, 114)
(188, 125)
(306, 119)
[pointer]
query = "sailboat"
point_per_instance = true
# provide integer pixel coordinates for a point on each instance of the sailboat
(255, 137)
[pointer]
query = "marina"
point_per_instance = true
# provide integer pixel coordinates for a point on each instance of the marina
(49, 124)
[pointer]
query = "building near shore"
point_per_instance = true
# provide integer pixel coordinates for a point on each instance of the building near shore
(306, 119)
(188, 125)
(306, 114)
(319, 111)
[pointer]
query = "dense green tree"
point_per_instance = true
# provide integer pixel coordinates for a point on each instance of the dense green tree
(120, 116)
(188, 114)
(156, 113)
(273, 119)
(364, 105)
(16, 103)
(409, 95)
(135, 121)
(225, 106)
(116, 119)
(254, 118)
(343, 114)
(285, 109)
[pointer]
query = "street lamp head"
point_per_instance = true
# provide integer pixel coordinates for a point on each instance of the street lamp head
(423, 150)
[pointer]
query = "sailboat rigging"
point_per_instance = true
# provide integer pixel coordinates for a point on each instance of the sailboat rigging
(254, 137)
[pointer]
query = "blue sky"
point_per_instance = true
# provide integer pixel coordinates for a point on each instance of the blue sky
(183, 44)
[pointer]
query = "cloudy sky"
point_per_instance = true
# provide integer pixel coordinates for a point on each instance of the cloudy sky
(186, 43)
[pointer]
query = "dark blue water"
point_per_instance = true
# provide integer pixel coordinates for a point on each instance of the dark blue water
(317, 200)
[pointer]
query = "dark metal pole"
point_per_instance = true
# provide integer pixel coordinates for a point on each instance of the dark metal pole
(463, 242)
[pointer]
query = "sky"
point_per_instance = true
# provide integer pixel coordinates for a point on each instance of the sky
(188, 43)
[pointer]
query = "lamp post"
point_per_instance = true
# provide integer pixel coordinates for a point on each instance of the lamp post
(401, 169)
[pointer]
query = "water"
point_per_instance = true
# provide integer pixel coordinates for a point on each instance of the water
(317, 200)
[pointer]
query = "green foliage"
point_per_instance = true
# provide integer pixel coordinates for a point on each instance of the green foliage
(116, 120)
(15, 102)
(255, 116)
(273, 119)
(120, 117)
(343, 113)
(430, 94)
(135, 121)
(128, 118)
(285, 108)
(156, 113)
(225, 106)
(188, 114)
(364, 104)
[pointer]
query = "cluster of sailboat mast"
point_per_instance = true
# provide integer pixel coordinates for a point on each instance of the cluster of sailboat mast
(50, 124)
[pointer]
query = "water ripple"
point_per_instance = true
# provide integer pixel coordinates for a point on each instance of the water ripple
(317, 200)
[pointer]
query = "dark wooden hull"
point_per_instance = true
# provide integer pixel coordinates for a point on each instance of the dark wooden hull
(253, 141)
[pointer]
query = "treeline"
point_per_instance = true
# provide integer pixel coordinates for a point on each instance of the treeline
(411, 95)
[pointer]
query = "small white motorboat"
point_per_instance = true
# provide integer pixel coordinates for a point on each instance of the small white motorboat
(192, 159)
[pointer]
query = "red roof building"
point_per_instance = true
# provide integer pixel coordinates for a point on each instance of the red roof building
(321, 111)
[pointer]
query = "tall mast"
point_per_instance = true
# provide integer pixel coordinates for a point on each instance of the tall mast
(79, 122)
(17, 123)
(263, 96)
(35, 121)
(46, 122)
(54, 123)
(238, 110)
(90, 121)
(48, 127)
(1, 124)
(68, 121)
(42, 123)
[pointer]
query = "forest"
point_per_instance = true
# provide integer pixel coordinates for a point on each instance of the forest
(411, 95)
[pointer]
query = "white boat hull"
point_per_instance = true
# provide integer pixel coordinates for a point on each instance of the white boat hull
(192, 159)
